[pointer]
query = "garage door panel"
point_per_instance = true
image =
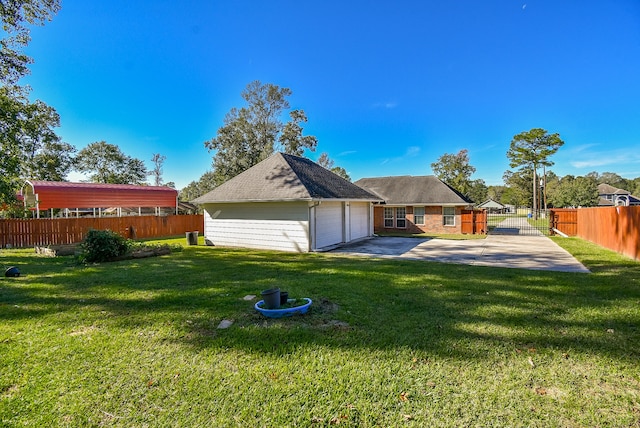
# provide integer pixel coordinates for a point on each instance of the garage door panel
(359, 221)
(329, 224)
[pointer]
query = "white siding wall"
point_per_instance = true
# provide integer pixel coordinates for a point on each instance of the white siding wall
(359, 220)
(269, 225)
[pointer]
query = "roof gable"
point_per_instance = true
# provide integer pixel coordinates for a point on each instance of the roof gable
(283, 177)
(409, 190)
(490, 203)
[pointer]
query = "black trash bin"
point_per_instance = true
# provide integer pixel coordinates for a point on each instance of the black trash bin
(192, 238)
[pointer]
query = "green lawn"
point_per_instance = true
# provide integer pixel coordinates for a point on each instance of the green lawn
(387, 343)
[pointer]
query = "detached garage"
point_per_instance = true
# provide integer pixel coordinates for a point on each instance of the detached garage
(287, 203)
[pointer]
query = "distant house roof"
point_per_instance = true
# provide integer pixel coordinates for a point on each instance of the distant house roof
(409, 190)
(610, 196)
(284, 177)
(62, 194)
(607, 189)
(603, 202)
(491, 204)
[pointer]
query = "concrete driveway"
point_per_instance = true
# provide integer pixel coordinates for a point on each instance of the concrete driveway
(524, 252)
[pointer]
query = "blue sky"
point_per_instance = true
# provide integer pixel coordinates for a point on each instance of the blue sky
(388, 87)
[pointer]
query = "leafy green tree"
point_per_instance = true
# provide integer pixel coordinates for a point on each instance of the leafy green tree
(15, 16)
(612, 179)
(195, 189)
(635, 186)
(495, 192)
(518, 190)
(327, 163)
(574, 192)
(54, 161)
(532, 149)
(551, 182)
(26, 135)
(250, 134)
(478, 191)
(291, 137)
(105, 163)
(455, 170)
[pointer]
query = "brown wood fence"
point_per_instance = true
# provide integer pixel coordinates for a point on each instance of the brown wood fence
(474, 222)
(564, 220)
(616, 228)
(22, 233)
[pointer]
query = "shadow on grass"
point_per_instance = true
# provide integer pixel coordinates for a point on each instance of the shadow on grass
(444, 310)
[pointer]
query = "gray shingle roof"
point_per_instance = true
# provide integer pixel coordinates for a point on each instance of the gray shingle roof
(409, 190)
(284, 177)
(607, 189)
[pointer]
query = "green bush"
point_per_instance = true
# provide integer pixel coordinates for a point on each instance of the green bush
(102, 246)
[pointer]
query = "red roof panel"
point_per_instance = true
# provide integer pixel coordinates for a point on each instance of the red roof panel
(59, 194)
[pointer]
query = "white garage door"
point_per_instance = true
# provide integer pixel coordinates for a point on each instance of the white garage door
(329, 224)
(359, 220)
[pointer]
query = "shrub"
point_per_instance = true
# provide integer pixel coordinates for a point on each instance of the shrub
(102, 246)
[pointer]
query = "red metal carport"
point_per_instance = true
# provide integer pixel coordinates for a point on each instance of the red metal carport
(49, 195)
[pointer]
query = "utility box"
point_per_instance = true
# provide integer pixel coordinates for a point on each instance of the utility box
(192, 238)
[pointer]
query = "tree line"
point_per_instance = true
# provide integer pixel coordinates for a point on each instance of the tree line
(531, 184)
(29, 146)
(30, 149)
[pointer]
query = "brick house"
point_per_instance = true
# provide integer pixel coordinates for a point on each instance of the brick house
(422, 204)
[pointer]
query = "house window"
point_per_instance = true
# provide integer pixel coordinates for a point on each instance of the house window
(418, 215)
(401, 217)
(388, 217)
(449, 216)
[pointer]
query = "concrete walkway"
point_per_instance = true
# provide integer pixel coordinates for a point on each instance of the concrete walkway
(524, 252)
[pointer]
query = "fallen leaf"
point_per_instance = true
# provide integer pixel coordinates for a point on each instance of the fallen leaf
(532, 350)
(150, 383)
(404, 396)
(610, 330)
(541, 391)
(407, 417)
(316, 420)
(531, 362)
(565, 356)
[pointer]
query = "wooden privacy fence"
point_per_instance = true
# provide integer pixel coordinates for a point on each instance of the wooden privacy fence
(616, 228)
(564, 220)
(474, 222)
(22, 233)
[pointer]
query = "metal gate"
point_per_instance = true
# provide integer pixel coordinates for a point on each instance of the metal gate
(520, 222)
